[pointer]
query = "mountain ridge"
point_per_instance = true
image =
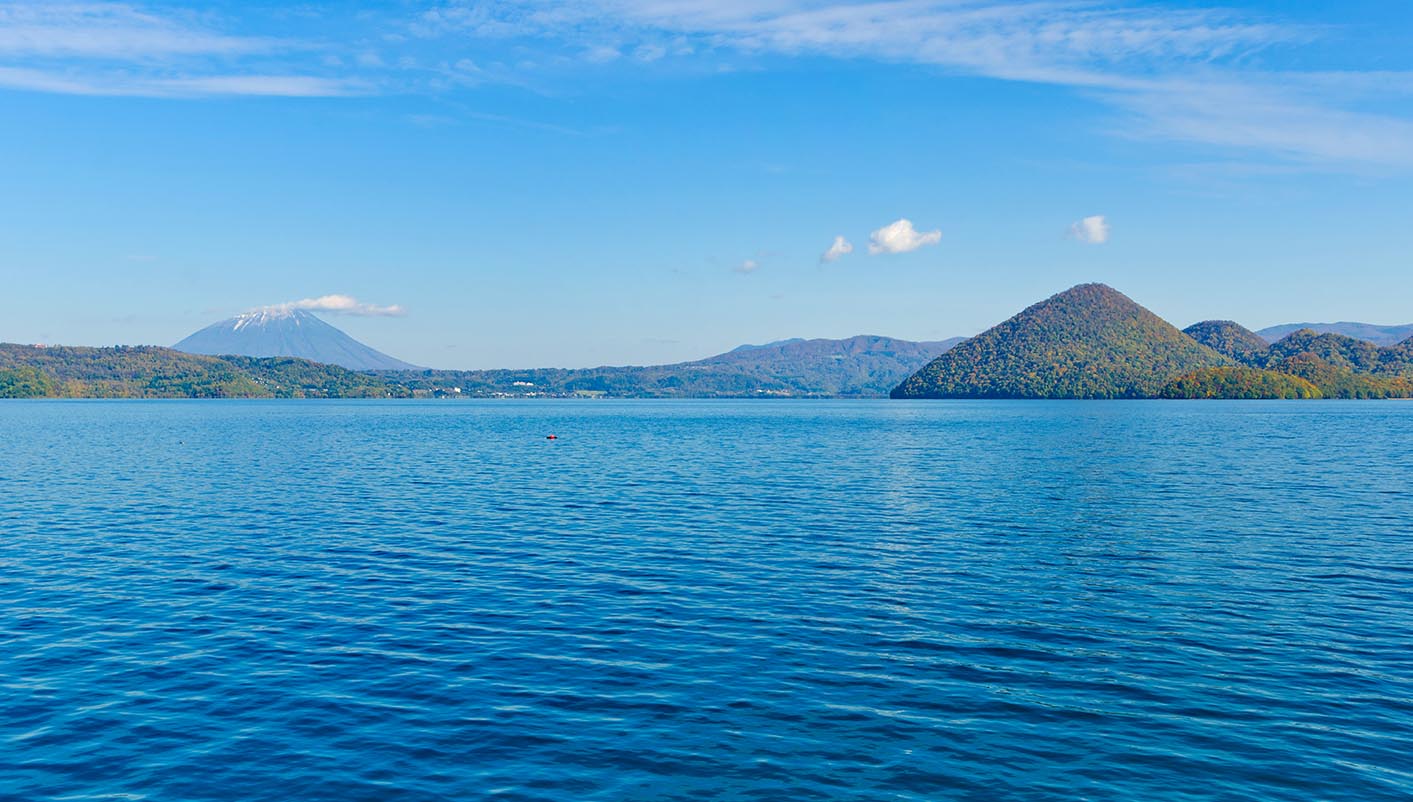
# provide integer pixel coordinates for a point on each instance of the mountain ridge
(860, 366)
(1376, 334)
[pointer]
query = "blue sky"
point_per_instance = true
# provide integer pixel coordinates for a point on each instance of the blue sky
(635, 181)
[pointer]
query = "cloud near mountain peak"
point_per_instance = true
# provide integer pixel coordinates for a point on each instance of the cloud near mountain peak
(340, 305)
(1092, 230)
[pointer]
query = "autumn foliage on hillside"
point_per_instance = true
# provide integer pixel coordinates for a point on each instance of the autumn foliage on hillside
(1239, 382)
(1088, 342)
(1093, 342)
(1229, 338)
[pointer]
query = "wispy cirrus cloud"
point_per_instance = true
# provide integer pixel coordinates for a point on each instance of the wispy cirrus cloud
(1177, 72)
(98, 84)
(1174, 71)
(108, 31)
(1287, 117)
(1061, 41)
(100, 48)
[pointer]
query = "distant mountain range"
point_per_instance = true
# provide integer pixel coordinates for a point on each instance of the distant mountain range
(279, 331)
(864, 366)
(1090, 341)
(1378, 335)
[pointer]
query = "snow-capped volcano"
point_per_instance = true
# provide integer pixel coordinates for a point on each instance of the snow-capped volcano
(284, 331)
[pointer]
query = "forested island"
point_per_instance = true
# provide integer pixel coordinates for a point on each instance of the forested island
(1092, 341)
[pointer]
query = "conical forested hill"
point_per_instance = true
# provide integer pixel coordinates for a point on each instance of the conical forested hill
(1232, 339)
(1090, 341)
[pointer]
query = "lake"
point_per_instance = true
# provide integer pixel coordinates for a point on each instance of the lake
(755, 600)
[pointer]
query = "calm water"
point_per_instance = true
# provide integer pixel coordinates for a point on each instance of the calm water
(706, 600)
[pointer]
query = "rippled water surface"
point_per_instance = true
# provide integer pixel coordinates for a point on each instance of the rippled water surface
(706, 600)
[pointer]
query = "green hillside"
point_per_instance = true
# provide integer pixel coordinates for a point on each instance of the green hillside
(1090, 341)
(1230, 339)
(1360, 356)
(1342, 366)
(1338, 381)
(1398, 358)
(124, 372)
(25, 382)
(1238, 381)
(28, 371)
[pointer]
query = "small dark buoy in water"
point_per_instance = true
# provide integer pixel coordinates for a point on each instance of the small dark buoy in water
(552, 437)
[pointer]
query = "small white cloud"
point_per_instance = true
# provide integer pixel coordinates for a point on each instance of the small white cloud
(901, 237)
(748, 266)
(1093, 230)
(841, 247)
(341, 305)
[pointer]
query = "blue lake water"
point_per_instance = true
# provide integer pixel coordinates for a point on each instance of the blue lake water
(706, 600)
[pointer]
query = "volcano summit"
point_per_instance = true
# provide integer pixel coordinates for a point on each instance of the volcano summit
(281, 331)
